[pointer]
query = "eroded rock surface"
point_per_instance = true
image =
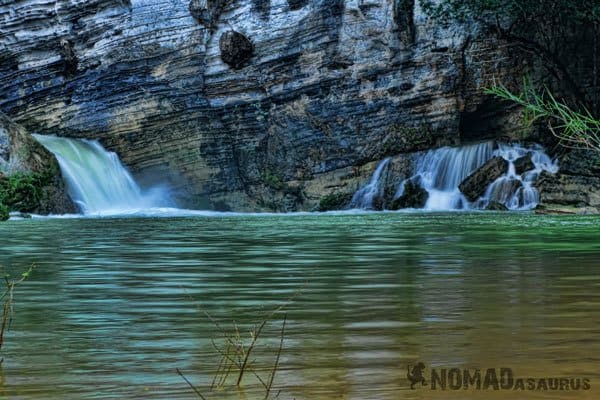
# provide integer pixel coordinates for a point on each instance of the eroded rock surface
(333, 86)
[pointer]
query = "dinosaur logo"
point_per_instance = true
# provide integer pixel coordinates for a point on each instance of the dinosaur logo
(416, 375)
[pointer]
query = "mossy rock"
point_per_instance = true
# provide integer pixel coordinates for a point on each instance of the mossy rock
(273, 180)
(23, 191)
(334, 201)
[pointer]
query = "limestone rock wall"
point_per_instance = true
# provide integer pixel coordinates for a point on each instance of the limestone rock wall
(331, 88)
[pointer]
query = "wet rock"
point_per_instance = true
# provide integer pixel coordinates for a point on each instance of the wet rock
(236, 49)
(414, 196)
(262, 7)
(569, 190)
(524, 164)
(496, 206)
(504, 189)
(474, 185)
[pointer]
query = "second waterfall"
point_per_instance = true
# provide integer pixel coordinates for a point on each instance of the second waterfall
(440, 174)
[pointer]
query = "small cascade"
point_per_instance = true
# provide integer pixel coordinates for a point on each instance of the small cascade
(365, 197)
(517, 191)
(97, 180)
(441, 171)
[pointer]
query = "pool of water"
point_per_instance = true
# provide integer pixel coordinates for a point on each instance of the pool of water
(115, 306)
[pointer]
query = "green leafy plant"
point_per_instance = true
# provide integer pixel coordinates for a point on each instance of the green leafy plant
(23, 191)
(574, 129)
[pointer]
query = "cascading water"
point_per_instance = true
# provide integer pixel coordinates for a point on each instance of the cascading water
(441, 171)
(517, 191)
(96, 179)
(365, 197)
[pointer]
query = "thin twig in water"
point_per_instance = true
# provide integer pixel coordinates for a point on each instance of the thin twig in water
(7, 308)
(190, 384)
(255, 337)
(274, 371)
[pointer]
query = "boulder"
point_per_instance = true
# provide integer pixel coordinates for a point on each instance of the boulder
(414, 196)
(504, 189)
(496, 206)
(474, 186)
(524, 164)
(236, 49)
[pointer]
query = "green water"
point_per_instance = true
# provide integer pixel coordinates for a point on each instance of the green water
(112, 308)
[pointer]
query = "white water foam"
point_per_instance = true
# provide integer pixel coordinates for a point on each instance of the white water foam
(441, 171)
(97, 181)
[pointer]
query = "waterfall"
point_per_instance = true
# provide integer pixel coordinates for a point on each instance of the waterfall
(517, 192)
(96, 179)
(365, 197)
(441, 171)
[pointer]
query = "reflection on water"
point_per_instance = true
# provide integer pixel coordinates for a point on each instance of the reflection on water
(112, 308)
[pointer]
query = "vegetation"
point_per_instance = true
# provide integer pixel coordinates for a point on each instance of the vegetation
(7, 307)
(22, 191)
(334, 201)
(272, 180)
(574, 129)
(235, 354)
(3, 212)
(563, 34)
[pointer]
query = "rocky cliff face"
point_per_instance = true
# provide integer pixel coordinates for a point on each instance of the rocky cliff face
(321, 91)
